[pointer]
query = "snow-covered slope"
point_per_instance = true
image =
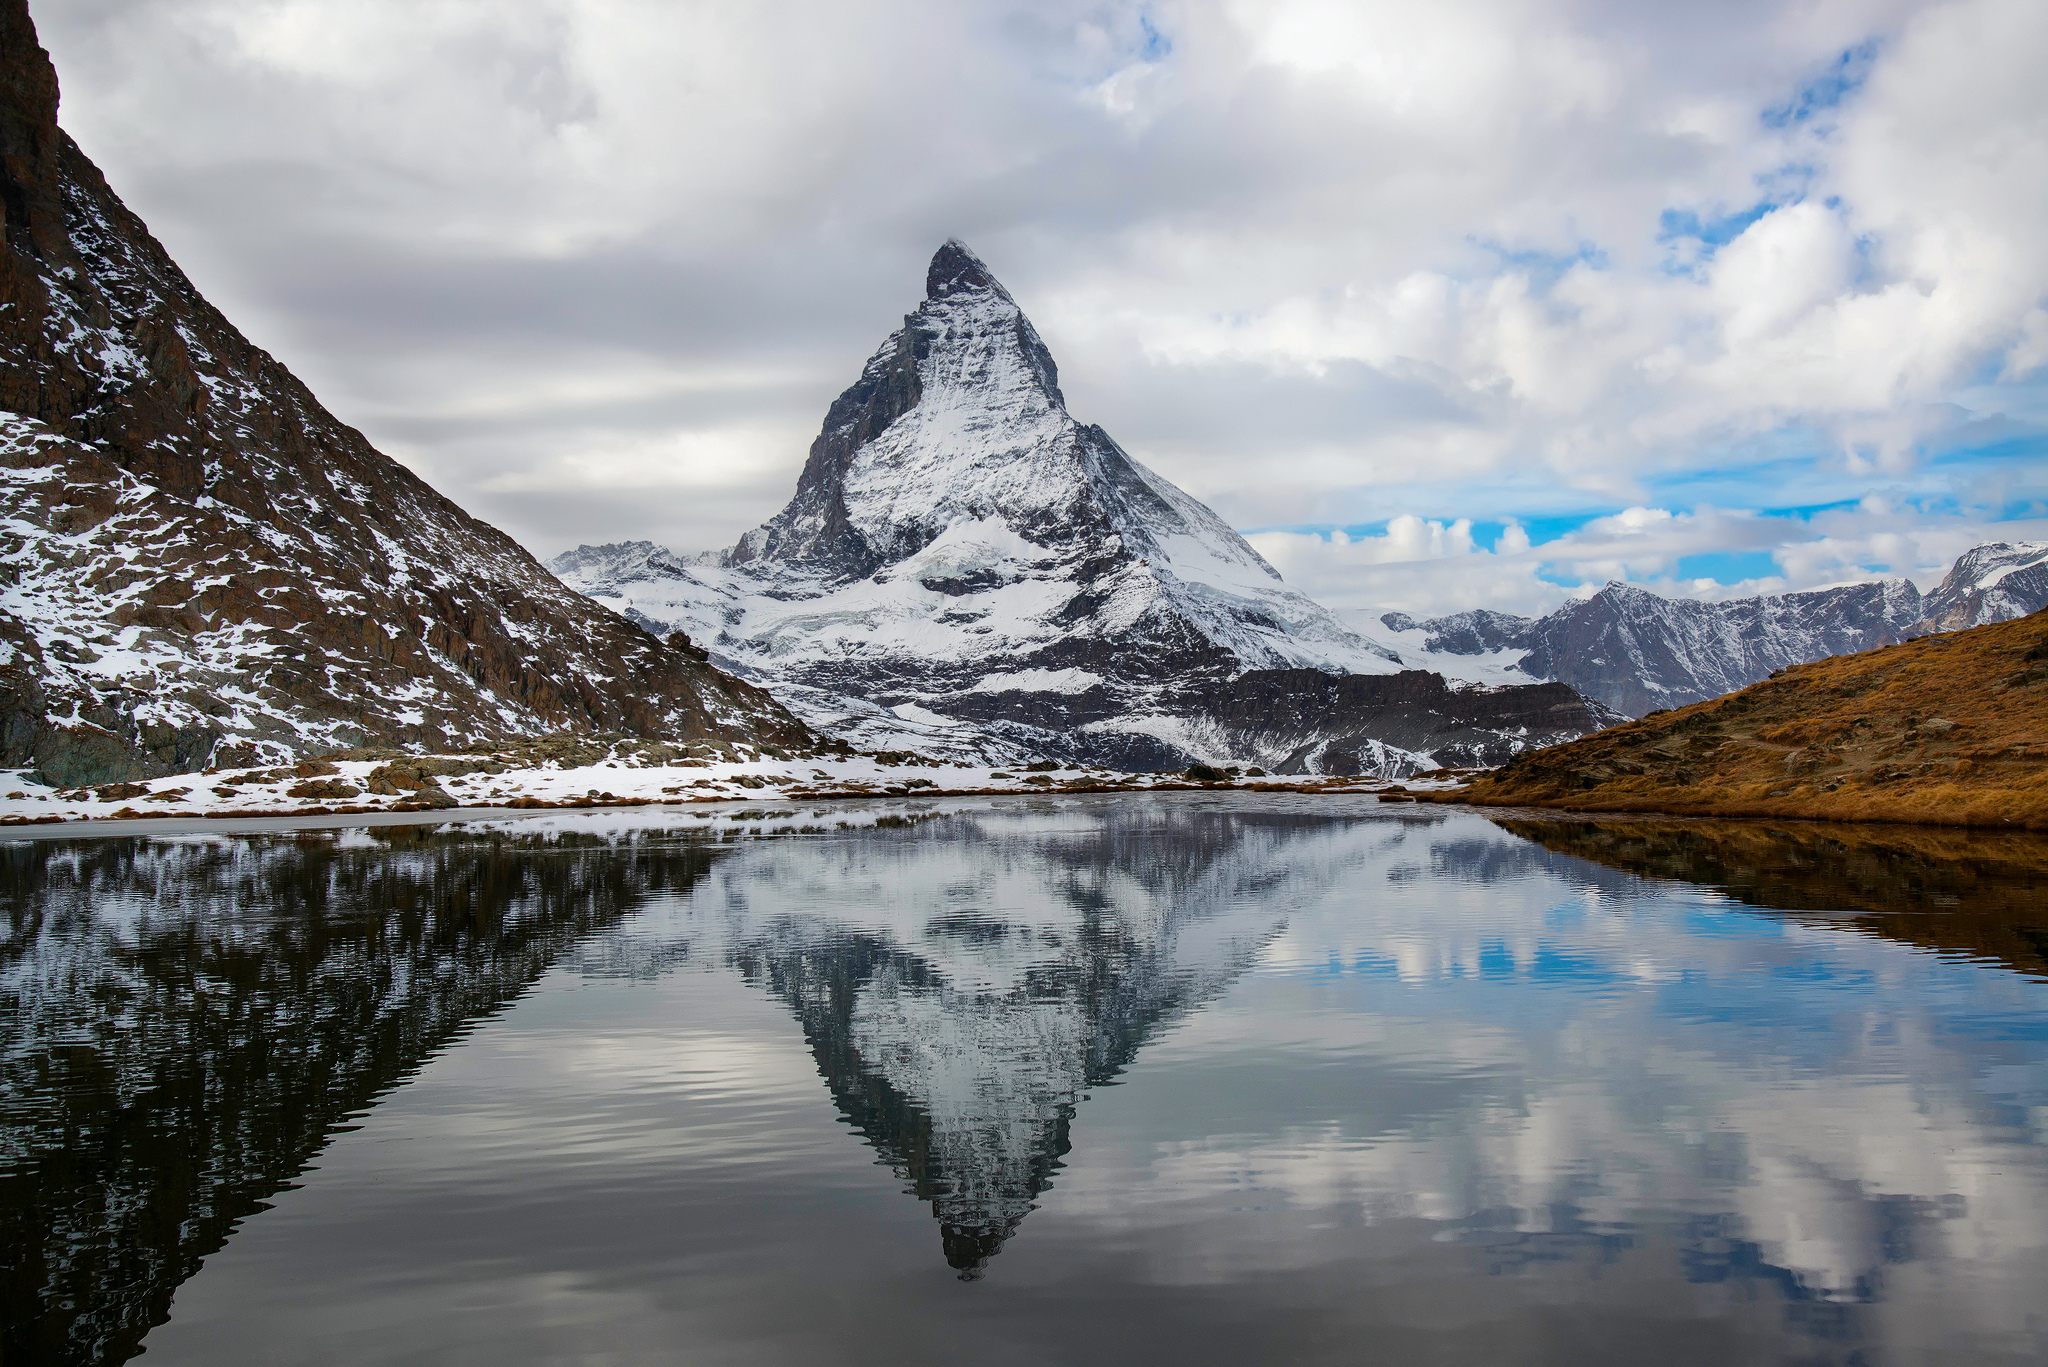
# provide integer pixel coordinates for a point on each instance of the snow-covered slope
(965, 560)
(200, 565)
(1480, 646)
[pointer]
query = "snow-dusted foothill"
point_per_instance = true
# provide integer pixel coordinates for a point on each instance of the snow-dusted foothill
(968, 570)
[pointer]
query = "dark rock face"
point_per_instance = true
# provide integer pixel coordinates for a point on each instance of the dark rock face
(1479, 632)
(965, 568)
(203, 564)
(1345, 724)
(1637, 651)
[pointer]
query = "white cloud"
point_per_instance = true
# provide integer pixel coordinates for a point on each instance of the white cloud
(1321, 263)
(1431, 568)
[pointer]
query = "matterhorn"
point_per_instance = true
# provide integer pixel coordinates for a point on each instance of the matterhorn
(966, 569)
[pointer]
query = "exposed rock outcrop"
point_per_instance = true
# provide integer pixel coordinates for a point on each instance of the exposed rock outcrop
(1397, 724)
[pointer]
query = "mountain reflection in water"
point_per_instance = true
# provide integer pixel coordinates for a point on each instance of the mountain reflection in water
(961, 1000)
(184, 1022)
(1452, 1088)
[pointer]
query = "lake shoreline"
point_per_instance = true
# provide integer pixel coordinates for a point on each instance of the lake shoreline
(232, 821)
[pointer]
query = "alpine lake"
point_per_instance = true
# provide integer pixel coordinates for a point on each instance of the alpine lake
(1183, 1078)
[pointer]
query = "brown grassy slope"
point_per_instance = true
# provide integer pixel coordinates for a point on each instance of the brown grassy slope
(1949, 730)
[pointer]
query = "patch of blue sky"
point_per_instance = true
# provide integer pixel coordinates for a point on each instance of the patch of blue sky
(1551, 574)
(1556, 525)
(1714, 232)
(1806, 512)
(2027, 448)
(1727, 567)
(1731, 491)
(1843, 78)
(1157, 46)
(1486, 532)
(1543, 268)
(1791, 476)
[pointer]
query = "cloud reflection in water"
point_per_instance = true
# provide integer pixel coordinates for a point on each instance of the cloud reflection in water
(1268, 1075)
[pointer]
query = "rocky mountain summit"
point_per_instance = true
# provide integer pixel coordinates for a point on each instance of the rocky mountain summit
(1994, 582)
(966, 568)
(200, 565)
(1637, 651)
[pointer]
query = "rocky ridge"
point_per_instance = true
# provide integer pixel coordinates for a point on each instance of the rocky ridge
(1994, 582)
(199, 565)
(1636, 651)
(968, 570)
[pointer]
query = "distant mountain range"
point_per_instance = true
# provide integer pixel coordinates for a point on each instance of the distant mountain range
(1636, 651)
(200, 565)
(965, 568)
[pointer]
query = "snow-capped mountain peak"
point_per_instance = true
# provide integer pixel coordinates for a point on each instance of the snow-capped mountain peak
(1994, 582)
(958, 419)
(961, 553)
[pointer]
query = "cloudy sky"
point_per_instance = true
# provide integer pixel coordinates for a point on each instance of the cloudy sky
(1446, 305)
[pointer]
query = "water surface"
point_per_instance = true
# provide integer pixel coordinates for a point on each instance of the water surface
(1190, 1077)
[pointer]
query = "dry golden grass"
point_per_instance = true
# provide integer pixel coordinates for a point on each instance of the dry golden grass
(1946, 730)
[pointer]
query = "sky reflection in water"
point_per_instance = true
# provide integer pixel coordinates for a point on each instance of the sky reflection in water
(1185, 1078)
